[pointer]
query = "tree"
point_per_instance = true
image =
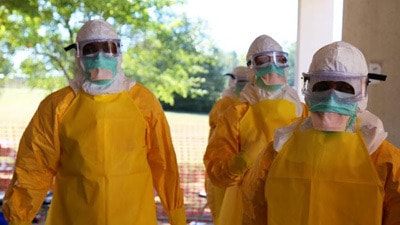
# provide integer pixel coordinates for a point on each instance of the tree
(5, 65)
(169, 59)
(164, 48)
(214, 83)
(291, 49)
(5, 69)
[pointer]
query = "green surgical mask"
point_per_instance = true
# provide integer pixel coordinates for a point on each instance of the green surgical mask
(332, 105)
(239, 88)
(100, 61)
(272, 68)
(261, 71)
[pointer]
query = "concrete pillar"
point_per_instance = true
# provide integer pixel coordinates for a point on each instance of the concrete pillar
(319, 23)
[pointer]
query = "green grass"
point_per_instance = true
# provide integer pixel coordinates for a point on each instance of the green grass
(18, 104)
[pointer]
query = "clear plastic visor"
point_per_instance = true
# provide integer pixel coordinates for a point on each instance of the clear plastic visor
(91, 48)
(280, 59)
(346, 87)
(241, 81)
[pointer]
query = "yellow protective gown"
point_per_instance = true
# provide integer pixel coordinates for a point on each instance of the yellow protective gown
(256, 133)
(215, 195)
(245, 128)
(240, 129)
(386, 167)
(217, 111)
(324, 178)
(107, 154)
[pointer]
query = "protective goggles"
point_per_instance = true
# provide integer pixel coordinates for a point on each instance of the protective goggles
(91, 48)
(280, 59)
(346, 87)
(241, 81)
(237, 80)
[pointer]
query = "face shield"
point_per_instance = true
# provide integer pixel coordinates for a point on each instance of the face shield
(268, 58)
(92, 48)
(262, 45)
(240, 81)
(237, 80)
(344, 87)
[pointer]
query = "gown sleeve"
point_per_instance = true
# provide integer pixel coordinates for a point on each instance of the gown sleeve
(387, 161)
(37, 160)
(222, 152)
(161, 155)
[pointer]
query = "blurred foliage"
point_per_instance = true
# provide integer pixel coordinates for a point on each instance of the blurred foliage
(5, 65)
(291, 49)
(215, 83)
(170, 60)
(163, 50)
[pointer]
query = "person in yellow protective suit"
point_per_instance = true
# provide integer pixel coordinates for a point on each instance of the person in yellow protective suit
(267, 102)
(334, 167)
(105, 142)
(230, 96)
(237, 80)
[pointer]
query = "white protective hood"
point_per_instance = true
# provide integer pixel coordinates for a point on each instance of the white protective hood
(92, 30)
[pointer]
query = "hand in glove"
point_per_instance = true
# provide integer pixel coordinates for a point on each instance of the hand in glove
(239, 163)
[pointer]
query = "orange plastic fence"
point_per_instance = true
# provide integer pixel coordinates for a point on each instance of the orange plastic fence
(189, 142)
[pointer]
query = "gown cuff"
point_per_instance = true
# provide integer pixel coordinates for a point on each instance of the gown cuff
(177, 216)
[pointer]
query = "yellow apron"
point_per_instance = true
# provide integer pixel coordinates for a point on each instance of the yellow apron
(262, 119)
(104, 177)
(256, 131)
(324, 178)
(231, 212)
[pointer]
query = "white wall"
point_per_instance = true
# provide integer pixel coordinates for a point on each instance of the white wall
(319, 23)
